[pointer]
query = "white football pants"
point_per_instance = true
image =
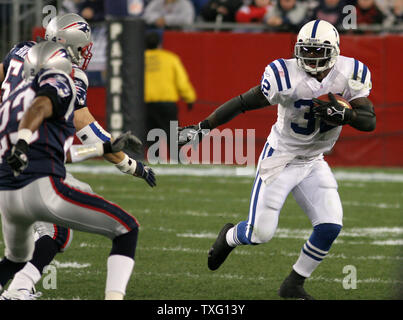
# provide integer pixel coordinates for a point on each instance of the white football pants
(313, 186)
(53, 200)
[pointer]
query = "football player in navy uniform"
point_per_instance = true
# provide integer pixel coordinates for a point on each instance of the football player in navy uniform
(292, 158)
(36, 134)
(74, 33)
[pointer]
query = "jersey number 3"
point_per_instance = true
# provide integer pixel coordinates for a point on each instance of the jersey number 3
(311, 120)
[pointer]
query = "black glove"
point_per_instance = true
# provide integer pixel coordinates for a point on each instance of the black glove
(146, 173)
(193, 133)
(18, 160)
(332, 112)
(125, 141)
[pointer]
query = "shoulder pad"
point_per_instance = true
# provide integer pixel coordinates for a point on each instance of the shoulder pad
(80, 75)
(56, 79)
(360, 76)
(280, 71)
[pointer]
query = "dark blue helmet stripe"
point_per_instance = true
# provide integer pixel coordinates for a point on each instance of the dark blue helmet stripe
(315, 27)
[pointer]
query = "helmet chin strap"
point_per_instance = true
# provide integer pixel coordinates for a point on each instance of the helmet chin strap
(72, 56)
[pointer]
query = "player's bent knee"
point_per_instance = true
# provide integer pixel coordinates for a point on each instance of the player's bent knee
(325, 233)
(252, 234)
(265, 225)
(125, 244)
(67, 240)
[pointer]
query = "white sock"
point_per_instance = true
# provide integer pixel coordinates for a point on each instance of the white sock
(305, 265)
(119, 270)
(26, 278)
(230, 237)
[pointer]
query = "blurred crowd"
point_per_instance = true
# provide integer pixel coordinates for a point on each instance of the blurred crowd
(277, 15)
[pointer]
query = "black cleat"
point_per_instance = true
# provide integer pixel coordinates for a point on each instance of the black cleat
(220, 249)
(293, 288)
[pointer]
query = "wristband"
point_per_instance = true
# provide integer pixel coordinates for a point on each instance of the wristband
(24, 134)
(127, 165)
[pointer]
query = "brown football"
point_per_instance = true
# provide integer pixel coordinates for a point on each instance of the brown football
(339, 99)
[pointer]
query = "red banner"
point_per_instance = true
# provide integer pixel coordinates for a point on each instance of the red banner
(223, 65)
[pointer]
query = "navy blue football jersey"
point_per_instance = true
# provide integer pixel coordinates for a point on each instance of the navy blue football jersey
(51, 141)
(13, 67)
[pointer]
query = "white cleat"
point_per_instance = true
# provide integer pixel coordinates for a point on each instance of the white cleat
(20, 294)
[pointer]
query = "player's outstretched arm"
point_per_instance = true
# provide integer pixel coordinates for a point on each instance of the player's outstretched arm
(81, 152)
(250, 100)
(89, 131)
(363, 115)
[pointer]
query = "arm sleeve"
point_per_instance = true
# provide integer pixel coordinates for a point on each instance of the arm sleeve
(250, 100)
(363, 117)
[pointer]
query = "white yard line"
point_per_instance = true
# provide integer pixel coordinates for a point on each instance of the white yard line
(225, 171)
(246, 252)
(70, 265)
(229, 276)
(388, 235)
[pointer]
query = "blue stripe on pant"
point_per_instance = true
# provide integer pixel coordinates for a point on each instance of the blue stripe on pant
(94, 202)
(62, 236)
(243, 234)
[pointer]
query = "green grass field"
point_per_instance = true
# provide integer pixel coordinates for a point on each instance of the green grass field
(182, 216)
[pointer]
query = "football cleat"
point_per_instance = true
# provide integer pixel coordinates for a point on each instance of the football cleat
(220, 249)
(20, 294)
(293, 288)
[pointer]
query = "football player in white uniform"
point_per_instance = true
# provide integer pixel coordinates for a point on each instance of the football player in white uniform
(292, 158)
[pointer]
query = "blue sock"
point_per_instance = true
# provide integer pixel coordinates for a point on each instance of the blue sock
(316, 248)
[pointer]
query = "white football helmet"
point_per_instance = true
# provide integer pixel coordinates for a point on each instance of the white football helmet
(46, 55)
(74, 33)
(317, 46)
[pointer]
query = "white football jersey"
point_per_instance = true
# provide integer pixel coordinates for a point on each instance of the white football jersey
(297, 130)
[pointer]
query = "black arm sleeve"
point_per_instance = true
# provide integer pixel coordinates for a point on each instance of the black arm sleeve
(250, 100)
(363, 115)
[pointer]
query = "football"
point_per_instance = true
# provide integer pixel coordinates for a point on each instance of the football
(339, 99)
